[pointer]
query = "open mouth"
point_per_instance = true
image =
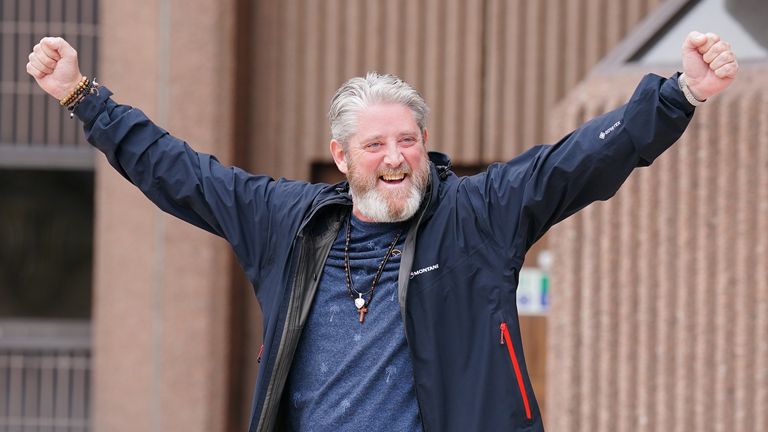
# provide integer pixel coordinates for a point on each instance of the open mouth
(393, 179)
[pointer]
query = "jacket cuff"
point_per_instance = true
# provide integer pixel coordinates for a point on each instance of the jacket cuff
(92, 105)
(672, 93)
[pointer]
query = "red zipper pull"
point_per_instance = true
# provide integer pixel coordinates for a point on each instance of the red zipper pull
(503, 328)
(261, 351)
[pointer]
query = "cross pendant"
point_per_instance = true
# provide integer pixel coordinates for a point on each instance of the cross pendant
(363, 310)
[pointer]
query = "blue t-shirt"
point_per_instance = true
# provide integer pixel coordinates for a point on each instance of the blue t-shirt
(348, 376)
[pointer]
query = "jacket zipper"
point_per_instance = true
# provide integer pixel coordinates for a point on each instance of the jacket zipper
(264, 421)
(410, 249)
(279, 369)
(505, 339)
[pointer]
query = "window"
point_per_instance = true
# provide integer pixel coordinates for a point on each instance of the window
(46, 224)
(34, 130)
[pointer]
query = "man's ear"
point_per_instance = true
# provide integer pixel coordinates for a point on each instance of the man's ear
(424, 137)
(337, 151)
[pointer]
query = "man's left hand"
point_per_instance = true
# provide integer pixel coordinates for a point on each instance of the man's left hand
(708, 63)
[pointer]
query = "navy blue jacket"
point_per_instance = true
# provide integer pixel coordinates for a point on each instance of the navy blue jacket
(460, 265)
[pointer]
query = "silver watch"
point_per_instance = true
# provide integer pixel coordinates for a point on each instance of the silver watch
(683, 84)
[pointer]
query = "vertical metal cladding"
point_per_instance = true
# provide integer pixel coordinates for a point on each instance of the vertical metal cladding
(491, 70)
(659, 319)
(309, 50)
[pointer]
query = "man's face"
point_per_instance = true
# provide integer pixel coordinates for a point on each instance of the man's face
(387, 164)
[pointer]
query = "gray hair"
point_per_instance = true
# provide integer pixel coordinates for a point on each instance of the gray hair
(359, 93)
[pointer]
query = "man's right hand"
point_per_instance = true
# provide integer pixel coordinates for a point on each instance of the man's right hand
(53, 64)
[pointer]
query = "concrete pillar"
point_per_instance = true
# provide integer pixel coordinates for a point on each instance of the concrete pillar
(161, 287)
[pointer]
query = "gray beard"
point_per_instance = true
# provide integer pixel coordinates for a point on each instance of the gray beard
(374, 206)
(392, 207)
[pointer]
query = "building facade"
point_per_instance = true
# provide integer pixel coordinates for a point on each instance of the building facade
(659, 298)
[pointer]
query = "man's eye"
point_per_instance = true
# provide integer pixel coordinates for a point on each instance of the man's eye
(408, 140)
(373, 145)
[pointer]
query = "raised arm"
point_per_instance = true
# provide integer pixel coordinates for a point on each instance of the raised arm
(548, 183)
(190, 185)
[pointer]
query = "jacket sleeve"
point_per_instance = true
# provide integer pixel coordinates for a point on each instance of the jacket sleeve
(551, 182)
(195, 187)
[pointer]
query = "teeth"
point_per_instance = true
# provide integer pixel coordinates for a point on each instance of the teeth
(392, 177)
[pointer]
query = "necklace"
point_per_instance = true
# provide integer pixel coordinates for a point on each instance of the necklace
(360, 302)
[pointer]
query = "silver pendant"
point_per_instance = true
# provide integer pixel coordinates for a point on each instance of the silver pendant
(360, 302)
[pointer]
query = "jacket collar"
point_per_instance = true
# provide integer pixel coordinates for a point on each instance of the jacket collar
(440, 170)
(442, 163)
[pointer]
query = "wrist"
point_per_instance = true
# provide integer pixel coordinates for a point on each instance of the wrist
(83, 89)
(73, 90)
(70, 87)
(689, 94)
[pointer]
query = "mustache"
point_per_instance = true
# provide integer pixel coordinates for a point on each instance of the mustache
(404, 169)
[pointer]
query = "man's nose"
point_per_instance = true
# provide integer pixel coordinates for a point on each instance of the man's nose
(393, 156)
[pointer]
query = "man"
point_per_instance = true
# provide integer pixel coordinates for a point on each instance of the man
(389, 300)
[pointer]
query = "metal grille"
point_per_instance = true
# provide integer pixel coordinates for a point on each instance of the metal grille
(45, 371)
(34, 130)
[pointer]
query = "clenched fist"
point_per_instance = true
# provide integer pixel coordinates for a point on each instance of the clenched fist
(53, 64)
(709, 64)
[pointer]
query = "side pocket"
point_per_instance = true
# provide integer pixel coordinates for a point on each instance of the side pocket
(505, 340)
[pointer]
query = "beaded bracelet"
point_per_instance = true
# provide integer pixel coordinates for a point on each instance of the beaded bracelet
(79, 96)
(74, 93)
(84, 89)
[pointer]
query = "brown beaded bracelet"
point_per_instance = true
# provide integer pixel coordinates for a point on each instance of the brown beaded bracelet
(79, 88)
(76, 92)
(91, 87)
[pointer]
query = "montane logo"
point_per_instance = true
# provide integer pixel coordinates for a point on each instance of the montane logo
(604, 133)
(424, 270)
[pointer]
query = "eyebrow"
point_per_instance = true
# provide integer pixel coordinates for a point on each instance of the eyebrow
(372, 138)
(379, 137)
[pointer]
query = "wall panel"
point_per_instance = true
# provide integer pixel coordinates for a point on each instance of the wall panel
(659, 319)
(535, 53)
(491, 70)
